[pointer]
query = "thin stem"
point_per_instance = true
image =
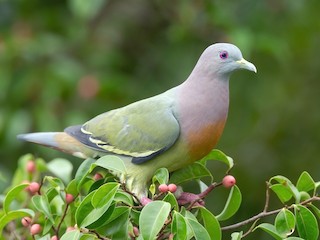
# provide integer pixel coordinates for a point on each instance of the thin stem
(265, 214)
(62, 218)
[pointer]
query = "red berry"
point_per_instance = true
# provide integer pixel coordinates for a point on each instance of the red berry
(69, 198)
(163, 188)
(31, 166)
(69, 229)
(34, 187)
(172, 187)
(97, 176)
(26, 221)
(144, 201)
(136, 231)
(35, 229)
(228, 181)
(54, 237)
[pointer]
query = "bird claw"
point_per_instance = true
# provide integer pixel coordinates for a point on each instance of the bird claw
(190, 198)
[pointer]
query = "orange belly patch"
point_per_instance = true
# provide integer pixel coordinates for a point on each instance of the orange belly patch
(201, 142)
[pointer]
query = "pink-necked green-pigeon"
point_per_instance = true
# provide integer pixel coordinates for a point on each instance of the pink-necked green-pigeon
(171, 130)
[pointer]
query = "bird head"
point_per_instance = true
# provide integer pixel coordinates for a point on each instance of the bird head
(222, 59)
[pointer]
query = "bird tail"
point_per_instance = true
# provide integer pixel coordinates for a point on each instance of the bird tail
(59, 141)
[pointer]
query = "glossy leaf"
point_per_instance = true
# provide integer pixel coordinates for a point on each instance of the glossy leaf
(287, 184)
(110, 162)
(104, 218)
(82, 172)
(217, 155)
(124, 197)
(161, 176)
(61, 168)
(199, 232)
(12, 195)
(152, 218)
(284, 194)
(104, 195)
(179, 227)
(285, 222)
(12, 215)
(191, 172)
(41, 203)
(236, 236)
(307, 224)
(117, 225)
(211, 224)
(305, 182)
(72, 235)
(232, 205)
(170, 198)
(271, 229)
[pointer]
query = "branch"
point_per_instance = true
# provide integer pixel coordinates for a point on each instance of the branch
(265, 214)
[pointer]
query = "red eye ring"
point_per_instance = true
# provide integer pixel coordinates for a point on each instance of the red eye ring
(223, 55)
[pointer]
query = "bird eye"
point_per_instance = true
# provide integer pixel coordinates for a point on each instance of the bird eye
(224, 55)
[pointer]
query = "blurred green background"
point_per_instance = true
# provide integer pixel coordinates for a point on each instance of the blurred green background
(63, 62)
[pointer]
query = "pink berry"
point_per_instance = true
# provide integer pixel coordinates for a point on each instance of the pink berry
(69, 229)
(136, 231)
(97, 176)
(31, 166)
(228, 181)
(163, 188)
(172, 187)
(69, 198)
(26, 221)
(35, 229)
(54, 237)
(34, 187)
(144, 201)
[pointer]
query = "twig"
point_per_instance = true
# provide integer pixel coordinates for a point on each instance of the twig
(265, 214)
(62, 218)
(209, 189)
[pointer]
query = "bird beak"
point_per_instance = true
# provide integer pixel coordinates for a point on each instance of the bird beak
(247, 65)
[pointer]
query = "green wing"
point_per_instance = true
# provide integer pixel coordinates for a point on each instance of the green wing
(142, 130)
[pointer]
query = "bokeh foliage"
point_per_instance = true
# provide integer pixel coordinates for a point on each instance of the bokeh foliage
(63, 62)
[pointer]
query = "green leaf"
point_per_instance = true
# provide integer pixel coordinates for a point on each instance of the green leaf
(269, 228)
(217, 155)
(293, 238)
(110, 162)
(199, 232)
(161, 176)
(236, 236)
(72, 235)
(284, 194)
(55, 182)
(152, 218)
(307, 224)
(191, 172)
(211, 224)
(61, 168)
(232, 204)
(288, 184)
(82, 172)
(170, 198)
(88, 237)
(104, 195)
(305, 182)
(117, 226)
(315, 210)
(12, 195)
(124, 197)
(12, 215)
(179, 227)
(41, 203)
(285, 222)
(103, 220)
(95, 204)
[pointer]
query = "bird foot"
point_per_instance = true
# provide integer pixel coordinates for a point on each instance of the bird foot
(190, 198)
